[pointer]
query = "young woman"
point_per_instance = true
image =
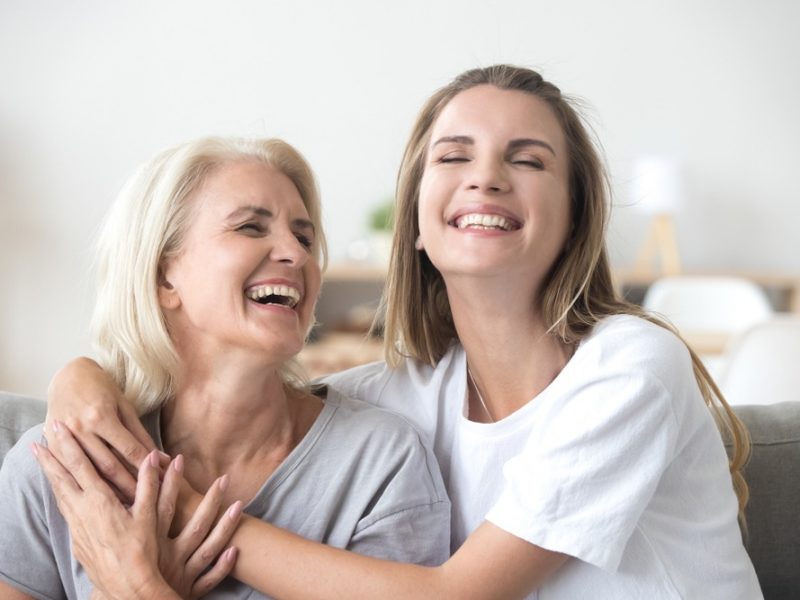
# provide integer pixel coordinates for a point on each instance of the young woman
(209, 270)
(577, 435)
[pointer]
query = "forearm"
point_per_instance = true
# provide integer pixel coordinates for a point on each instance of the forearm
(277, 562)
(491, 564)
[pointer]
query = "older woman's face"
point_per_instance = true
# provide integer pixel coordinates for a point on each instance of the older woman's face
(245, 277)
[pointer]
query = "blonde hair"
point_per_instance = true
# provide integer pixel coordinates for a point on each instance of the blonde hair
(577, 292)
(147, 224)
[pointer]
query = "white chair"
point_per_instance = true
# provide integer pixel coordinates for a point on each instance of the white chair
(763, 363)
(724, 305)
(708, 311)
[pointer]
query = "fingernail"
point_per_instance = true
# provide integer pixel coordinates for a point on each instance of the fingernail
(177, 464)
(35, 449)
(164, 456)
(235, 510)
(55, 427)
(223, 482)
(154, 462)
(230, 553)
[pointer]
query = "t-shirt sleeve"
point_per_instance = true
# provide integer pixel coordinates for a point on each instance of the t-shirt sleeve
(589, 470)
(409, 516)
(27, 561)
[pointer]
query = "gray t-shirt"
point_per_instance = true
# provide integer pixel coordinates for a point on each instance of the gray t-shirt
(360, 479)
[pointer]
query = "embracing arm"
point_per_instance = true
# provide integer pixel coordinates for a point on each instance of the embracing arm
(84, 397)
(491, 564)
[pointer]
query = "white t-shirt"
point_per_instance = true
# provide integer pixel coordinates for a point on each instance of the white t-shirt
(617, 463)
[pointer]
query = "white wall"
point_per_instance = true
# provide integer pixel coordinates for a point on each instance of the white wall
(90, 88)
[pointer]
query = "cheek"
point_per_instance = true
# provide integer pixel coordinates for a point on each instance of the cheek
(313, 284)
(427, 209)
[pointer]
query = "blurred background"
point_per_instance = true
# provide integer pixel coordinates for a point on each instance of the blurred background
(89, 89)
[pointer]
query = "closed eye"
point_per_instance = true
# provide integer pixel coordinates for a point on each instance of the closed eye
(305, 241)
(453, 159)
(251, 227)
(528, 162)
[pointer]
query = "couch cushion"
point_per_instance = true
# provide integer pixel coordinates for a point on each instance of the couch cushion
(17, 415)
(773, 513)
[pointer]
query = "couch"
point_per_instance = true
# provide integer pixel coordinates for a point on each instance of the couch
(773, 474)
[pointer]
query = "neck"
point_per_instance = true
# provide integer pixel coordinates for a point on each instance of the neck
(235, 422)
(511, 356)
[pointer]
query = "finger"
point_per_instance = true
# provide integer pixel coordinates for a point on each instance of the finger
(109, 465)
(144, 507)
(215, 542)
(61, 481)
(130, 419)
(168, 496)
(112, 427)
(72, 457)
(202, 520)
(221, 569)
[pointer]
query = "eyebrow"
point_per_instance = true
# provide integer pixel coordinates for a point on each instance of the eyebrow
(260, 211)
(512, 145)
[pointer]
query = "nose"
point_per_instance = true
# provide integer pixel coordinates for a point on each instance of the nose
(488, 176)
(287, 249)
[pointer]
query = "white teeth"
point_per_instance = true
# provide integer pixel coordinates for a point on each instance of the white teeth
(484, 221)
(291, 295)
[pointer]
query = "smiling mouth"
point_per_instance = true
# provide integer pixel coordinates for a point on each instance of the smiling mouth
(484, 221)
(282, 295)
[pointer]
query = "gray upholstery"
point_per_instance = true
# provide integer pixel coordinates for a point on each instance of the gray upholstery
(773, 474)
(773, 513)
(17, 415)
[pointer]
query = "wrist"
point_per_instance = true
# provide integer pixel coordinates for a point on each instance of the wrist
(188, 501)
(157, 588)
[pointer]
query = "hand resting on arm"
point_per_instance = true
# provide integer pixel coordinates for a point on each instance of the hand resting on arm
(88, 401)
(129, 553)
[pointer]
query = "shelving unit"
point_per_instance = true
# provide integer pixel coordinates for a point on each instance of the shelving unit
(351, 291)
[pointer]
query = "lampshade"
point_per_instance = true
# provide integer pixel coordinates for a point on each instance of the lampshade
(656, 187)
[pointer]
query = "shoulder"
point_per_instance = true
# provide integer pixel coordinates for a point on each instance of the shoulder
(19, 459)
(402, 388)
(364, 382)
(384, 441)
(364, 419)
(23, 486)
(627, 342)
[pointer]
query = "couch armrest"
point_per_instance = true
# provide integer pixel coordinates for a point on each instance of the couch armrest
(17, 415)
(773, 476)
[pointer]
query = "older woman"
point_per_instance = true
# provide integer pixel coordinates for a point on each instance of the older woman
(209, 269)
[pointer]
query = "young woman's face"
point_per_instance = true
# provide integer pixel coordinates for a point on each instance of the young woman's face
(245, 276)
(494, 196)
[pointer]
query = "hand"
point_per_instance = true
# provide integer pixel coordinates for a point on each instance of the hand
(87, 399)
(120, 547)
(184, 557)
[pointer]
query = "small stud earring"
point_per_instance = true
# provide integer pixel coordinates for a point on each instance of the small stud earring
(418, 243)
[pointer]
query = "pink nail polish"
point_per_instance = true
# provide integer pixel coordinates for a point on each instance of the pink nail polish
(177, 464)
(55, 427)
(35, 449)
(223, 482)
(153, 459)
(235, 510)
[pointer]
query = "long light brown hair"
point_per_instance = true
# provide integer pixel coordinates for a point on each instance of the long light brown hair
(578, 290)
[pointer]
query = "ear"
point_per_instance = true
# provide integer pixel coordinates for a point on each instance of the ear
(168, 296)
(418, 243)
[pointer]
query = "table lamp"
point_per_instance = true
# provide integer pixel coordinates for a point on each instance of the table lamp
(656, 190)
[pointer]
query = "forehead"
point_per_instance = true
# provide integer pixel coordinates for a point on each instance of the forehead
(248, 183)
(488, 111)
